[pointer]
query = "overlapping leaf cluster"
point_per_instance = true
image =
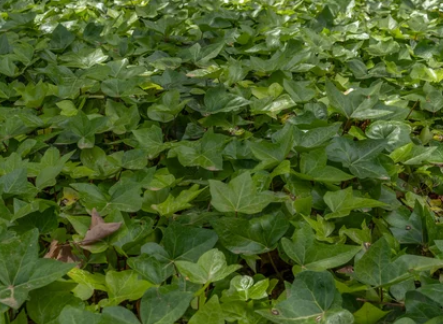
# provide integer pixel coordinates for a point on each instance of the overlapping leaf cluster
(209, 161)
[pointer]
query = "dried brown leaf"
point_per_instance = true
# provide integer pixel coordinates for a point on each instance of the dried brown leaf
(346, 269)
(54, 249)
(61, 252)
(99, 229)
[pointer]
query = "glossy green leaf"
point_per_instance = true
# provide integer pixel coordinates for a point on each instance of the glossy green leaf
(123, 285)
(164, 305)
(221, 148)
(71, 315)
(316, 137)
(342, 202)
(154, 268)
(150, 140)
(362, 157)
(313, 166)
(219, 100)
(368, 314)
(187, 243)
(206, 154)
(22, 271)
(312, 298)
(210, 267)
(61, 38)
(120, 199)
(239, 196)
(118, 315)
(243, 288)
(174, 204)
(376, 267)
(250, 237)
(46, 304)
(407, 228)
(310, 254)
(210, 312)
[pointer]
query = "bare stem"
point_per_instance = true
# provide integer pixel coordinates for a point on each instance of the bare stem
(382, 303)
(412, 109)
(275, 267)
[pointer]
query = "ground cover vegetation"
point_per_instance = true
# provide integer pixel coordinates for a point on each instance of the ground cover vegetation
(211, 162)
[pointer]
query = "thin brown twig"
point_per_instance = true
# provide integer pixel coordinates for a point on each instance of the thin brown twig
(412, 109)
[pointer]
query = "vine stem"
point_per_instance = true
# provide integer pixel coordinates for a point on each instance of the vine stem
(201, 294)
(347, 126)
(275, 267)
(412, 109)
(382, 303)
(5, 146)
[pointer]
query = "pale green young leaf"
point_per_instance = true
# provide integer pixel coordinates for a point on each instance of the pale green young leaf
(210, 267)
(123, 285)
(211, 312)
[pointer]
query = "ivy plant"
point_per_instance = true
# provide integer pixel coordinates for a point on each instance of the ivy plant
(221, 161)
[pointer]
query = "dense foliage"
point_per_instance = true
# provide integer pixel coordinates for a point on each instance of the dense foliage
(209, 161)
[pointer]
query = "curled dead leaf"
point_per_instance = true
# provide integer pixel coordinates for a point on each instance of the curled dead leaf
(99, 229)
(366, 245)
(346, 269)
(62, 252)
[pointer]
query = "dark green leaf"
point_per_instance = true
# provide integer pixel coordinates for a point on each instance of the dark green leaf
(250, 237)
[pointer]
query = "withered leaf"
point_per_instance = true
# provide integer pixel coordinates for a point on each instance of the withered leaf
(346, 269)
(61, 252)
(99, 229)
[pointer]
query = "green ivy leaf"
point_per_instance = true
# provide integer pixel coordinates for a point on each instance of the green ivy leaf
(407, 227)
(156, 268)
(118, 199)
(310, 254)
(123, 285)
(187, 243)
(71, 315)
(164, 305)
(342, 202)
(205, 153)
(219, 100)
(22, 271)
(312, 298)
(239, 196)
(369, 314)
(210, 312)
(118, 315)
(174, 204)
(249, 237)
(150, 140)
(61, 38)
(375, 267)
(313, 167)
(243, 288)
(210, 267)
(362, 157)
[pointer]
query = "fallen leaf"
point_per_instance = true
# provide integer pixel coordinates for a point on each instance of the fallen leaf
(346, 269)
(99, 229)
(61, 252)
